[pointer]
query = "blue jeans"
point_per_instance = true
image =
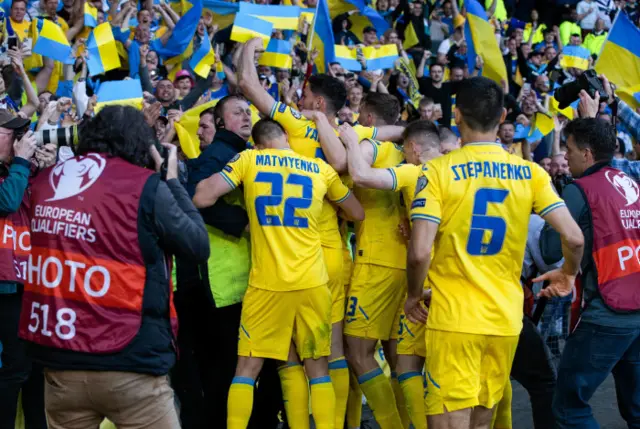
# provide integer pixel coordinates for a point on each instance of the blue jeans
(591, 353)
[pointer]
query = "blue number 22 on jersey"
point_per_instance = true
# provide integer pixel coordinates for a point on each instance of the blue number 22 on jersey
(480, 223)
(290, 204)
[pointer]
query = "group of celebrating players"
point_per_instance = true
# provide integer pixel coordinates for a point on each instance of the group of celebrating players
(440, 232)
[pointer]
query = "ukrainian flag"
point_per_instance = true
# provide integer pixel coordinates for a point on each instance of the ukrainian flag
(630, 95)
(282, 17)
(620, 56)
(278, 54)
(307, 14)
(575, 57)
(383, 57)
(347, 58)
(52, 41)
(367, 16)
(541, 127)
(203, 58)
(554, 108)
(323, 39)
(90, 16)
(246, 27)
(410, 37)
(481, 40)
(125, 92)
(182, 33)
(223, 12)
(103, 52)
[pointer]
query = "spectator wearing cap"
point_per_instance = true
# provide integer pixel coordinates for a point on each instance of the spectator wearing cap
(342, 29)
(184, 83)
(370, 36)
(15, 366)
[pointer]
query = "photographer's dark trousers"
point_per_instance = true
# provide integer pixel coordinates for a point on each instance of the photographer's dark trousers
(592, 353)
(17, 373)
(534, 370)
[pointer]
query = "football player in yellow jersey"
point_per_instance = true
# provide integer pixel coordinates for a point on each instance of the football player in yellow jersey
(474, 205)
(421, 143)
(316, 137)
(286, 312)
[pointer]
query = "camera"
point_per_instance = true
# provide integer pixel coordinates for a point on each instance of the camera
(589, 81)
(58, 136)
(561, 181)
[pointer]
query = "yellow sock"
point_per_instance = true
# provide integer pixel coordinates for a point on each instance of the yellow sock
(413, 391)
(295, 392)
(400, 401)
(379, 394)
(339, 372)
(323, 402)
(240, 402)
(354, 403)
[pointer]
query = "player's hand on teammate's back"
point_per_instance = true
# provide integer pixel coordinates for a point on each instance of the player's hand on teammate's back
(348, 135)
(414, 311)
(560, 283)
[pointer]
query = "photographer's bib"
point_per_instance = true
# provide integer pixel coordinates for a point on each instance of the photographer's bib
(15, 242)
(86, 274)
(614, 203)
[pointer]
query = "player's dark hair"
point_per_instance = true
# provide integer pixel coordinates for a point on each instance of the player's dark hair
(218, 110)
(481, 101)
(446, 135)
(118, 131)
(594, 134)
(384, 106)
(423, 132)
(331, 89)
(266, 129)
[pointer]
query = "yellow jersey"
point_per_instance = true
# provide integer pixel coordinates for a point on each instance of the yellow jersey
(303, 138)
(284, 193)
(20, 28)
(377, 237)
(405, 177)
(514, 149)
(482, 197)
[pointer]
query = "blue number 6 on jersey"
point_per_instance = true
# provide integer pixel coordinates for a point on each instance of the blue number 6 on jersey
(480, 223)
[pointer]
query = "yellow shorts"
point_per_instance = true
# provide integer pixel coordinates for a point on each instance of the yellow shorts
(466, 370)
(271, 320)
(411, 339)
(334, 260)
(347, 266)
(375, 295)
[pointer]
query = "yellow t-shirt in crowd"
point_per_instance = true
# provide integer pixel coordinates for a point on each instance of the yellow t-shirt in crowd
(284, 194)
(20, 28)
(303, 138)
(481, 196)
(377, 237)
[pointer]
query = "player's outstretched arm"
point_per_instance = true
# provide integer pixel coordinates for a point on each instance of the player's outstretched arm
(423, 234)
(352, 208)
(333, 150)
(248, 78)
(209, 190)
(563, 279)
(360, 158)
(392, 133)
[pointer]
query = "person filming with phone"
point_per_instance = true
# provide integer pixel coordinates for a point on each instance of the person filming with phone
(97, 309)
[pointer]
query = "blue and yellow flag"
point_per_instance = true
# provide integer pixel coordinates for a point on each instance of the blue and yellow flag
(630, 95)
(203, 58)
(620, 56)
(554, 108)
(125, 92)
(52, 41)
(347, 58)
(481, 40)
(575, 57)
(103, 52)
(541, 126)
(278, 54)
(246, 27)
(367, 16)
(182, 33)
(410, 37)
(90, 16)
(383, 57)
(323, 39)
(223, 12)
(282, 17)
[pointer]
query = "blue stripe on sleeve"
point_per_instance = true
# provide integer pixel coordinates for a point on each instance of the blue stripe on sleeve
(228, 180)
(551, 208)
(425, 217)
